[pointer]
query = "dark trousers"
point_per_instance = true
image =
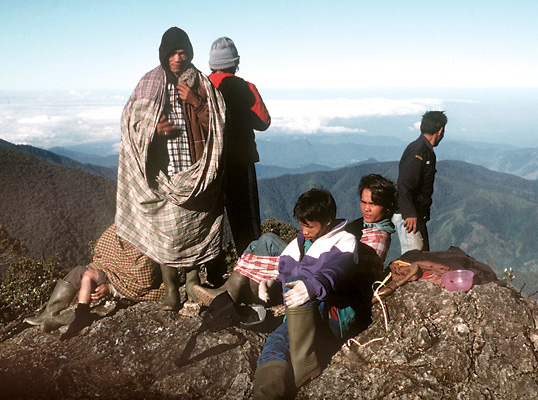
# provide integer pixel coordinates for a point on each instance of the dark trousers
(74, 277)
(242, 204)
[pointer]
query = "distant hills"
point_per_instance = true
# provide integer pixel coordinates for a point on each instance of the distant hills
(53, 209)
(110, 161)
(271, 171)
(95, 168)
(492, 216)
(285, 154)
(337, 151)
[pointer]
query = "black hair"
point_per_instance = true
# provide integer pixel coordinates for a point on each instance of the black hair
(383, 191)
(231, 70)
(432, 121)
(315, 205)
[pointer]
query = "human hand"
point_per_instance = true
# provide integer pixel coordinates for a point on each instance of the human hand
(165, 127)
(297, 295)
(187, 94)
(263, 289)
(411, 224)
(100, 292)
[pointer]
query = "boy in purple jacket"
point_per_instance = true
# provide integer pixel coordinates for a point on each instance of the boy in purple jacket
(318, 281)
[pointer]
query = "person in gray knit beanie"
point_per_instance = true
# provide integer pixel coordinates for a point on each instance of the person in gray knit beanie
(223, 54)
(246, 112)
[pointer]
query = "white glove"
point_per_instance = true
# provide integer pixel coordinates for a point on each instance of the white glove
(263, 289)
(297, 295)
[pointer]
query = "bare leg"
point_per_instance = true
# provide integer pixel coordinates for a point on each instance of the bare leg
(82, 312)
(87, 286)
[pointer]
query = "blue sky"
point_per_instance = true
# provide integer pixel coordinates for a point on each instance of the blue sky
(321, 66)
(81, 45)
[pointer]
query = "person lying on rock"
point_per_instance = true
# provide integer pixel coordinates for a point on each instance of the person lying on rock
(117, 268)
(316, 272)
(260, 260)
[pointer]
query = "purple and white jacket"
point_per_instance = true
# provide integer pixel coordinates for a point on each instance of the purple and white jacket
(326, 266)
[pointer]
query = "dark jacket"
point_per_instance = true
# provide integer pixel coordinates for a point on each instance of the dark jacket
(415, 179)
(247, 112)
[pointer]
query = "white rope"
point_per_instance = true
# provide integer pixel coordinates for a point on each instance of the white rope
(381, 284)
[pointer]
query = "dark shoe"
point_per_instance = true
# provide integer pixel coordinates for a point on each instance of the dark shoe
(252, 316)
(57, 321)
(272, 381)
(304, 326)
(81, 321)
(61, 297)
(216, 269)
(171, 286)
(192, 279)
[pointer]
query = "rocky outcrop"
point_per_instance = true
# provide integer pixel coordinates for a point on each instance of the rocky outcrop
(439, 345)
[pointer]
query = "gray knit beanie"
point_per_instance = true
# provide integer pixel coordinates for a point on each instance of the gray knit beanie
(223, 54)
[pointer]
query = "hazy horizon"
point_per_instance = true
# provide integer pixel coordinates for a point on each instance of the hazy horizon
(91, 119)
(350, 67)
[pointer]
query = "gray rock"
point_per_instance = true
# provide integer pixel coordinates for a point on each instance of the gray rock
(440, 345)
(482, 344)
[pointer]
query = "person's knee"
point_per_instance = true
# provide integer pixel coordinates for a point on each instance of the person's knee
(90, 276)
(74, 277)
(268, 237)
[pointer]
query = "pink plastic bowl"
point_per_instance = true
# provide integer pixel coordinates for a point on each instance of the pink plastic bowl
(460, 279)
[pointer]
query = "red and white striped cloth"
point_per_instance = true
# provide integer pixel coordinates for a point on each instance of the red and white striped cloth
(377, 240)
(259, 268)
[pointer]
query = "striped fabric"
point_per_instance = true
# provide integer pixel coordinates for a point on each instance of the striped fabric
(377, 240)
(132, 274)
(175, 221)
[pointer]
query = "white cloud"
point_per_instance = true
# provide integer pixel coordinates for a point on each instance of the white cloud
(57, 119)
(69, 119)
(314, 116)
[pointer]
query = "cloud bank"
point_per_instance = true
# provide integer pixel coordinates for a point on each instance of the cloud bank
(325, 116)
(92, 120)
(58, 119)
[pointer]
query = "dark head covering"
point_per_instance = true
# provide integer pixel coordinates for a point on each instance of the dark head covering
(174, 39)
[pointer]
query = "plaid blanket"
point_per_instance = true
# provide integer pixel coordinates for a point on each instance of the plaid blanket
(175, 221)
(132, 274)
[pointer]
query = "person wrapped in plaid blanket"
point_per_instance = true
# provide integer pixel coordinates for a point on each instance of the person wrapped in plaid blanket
(170, 199)
(373, 231)
(117, 268)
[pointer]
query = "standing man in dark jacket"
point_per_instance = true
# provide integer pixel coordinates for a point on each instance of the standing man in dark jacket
(246, 113)
(415, 183)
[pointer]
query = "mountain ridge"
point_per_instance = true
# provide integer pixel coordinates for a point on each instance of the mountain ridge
(490, 215)
(58, 159)
(291, 152)
(53, 209)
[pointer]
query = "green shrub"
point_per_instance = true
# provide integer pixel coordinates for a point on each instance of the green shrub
(26, 286)
(285, 230)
